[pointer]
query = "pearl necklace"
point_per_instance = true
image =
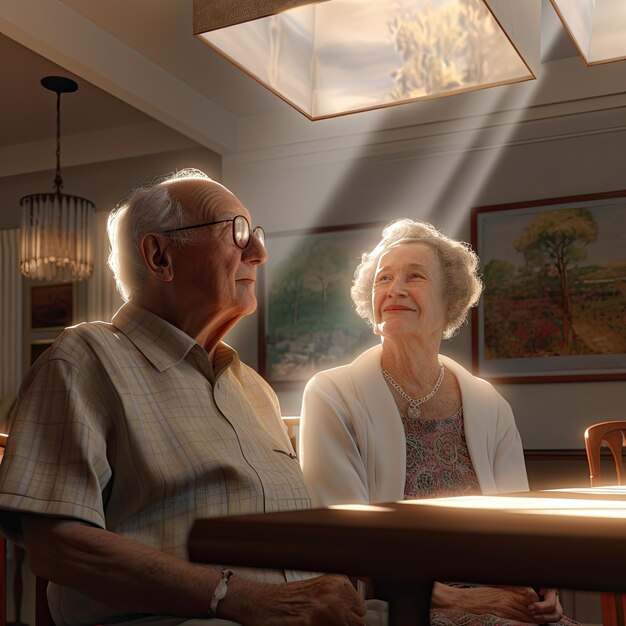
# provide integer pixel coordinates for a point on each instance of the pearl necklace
(414, 411)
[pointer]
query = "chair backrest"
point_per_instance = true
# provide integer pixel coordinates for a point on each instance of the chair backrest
(613, 604)
(3, 554)
(613, 434)
(42, 612)
(292, 423)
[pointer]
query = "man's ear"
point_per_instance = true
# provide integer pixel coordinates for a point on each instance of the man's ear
(155, 250)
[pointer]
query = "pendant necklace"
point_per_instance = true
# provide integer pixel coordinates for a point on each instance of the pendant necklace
(414, 411)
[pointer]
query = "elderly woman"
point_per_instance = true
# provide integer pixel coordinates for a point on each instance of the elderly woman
(403, 421)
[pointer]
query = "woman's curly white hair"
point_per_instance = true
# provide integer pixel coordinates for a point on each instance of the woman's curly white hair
(459, 264)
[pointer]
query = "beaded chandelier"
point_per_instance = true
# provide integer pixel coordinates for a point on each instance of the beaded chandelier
(57, 228)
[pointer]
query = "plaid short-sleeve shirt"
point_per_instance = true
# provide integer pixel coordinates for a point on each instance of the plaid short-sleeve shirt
(129, 427)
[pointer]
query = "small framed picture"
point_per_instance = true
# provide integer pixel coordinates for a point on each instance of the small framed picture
(38, 347)
(555, 286)
(51, 306)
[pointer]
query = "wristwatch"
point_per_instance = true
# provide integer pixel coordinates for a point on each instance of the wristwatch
(220, 591)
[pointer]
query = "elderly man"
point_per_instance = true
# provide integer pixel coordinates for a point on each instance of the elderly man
(124, 433)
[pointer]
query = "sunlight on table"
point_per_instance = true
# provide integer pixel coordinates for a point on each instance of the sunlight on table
(360, 507)
(533, 506)
(618, 490)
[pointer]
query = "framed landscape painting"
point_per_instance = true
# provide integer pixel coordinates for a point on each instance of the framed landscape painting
(554, 305)
(51, 306)
(307, 321)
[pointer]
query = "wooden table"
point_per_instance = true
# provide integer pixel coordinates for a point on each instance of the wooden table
(547, 539)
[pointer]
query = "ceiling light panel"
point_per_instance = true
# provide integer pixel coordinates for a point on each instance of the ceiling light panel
(344, 56)
(597, 27)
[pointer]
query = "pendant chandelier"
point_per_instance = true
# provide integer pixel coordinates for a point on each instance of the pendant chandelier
(57, 228)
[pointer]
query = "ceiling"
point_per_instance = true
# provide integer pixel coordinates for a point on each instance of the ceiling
(136, 63)
(27, 110)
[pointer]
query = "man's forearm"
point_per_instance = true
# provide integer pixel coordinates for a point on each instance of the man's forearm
(116, 571)
(132, 577)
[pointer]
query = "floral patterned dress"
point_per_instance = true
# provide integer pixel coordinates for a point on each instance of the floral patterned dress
(438, 465)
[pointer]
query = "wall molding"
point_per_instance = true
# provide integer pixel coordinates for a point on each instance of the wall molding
(597, 115)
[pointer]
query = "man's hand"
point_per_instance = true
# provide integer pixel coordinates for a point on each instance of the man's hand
(330, 600)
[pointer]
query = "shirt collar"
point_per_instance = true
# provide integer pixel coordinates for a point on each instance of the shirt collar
(165, 345)
(160, 342)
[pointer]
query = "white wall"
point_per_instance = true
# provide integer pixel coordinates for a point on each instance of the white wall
(536, 144)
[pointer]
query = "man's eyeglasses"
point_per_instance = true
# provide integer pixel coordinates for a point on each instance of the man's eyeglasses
(241, 230)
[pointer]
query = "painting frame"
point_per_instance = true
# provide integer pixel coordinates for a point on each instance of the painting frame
(288, 249)
(577, 300)
(52, 306)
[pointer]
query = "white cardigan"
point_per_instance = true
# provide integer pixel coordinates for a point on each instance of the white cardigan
(352, 442)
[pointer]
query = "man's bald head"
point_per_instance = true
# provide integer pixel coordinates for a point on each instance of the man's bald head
(167, 203)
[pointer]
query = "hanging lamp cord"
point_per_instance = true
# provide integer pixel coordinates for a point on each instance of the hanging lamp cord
(58, 181)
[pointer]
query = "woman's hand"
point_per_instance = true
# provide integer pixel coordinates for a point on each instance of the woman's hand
(548, 610)
(512, 603)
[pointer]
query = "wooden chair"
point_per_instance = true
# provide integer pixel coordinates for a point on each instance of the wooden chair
(292, 423)
(612, 433)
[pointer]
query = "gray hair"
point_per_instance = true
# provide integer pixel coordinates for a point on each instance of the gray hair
(458, 261)
(147, 208)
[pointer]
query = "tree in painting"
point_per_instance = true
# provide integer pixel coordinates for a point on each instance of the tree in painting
(288, 289)
(499, 275)
(326, 262)
(555, 282)
(553, 243)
